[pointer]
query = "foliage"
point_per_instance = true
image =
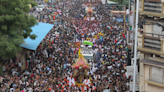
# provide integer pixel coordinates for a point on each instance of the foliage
(15, 25)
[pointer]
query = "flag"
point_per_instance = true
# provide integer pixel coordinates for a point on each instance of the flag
(79, 52)
(85, 18)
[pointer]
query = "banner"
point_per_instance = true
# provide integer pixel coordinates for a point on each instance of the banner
(136, 88)
(130, 70)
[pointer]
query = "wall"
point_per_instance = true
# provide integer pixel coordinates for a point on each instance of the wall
(141, 85)
(22, 58)
(150, 87)
(148, 29)
(139, 40)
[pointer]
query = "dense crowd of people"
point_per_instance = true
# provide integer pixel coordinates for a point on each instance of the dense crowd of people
(49, 68)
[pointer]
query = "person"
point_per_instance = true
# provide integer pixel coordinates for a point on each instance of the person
(50, 67)
(87, 81)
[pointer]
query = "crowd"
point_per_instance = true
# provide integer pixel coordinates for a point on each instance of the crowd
(49, 68)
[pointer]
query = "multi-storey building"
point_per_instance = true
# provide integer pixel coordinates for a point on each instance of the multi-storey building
(151, 46)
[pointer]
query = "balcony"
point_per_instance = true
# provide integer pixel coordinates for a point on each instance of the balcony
(150, 43)
(152, 8)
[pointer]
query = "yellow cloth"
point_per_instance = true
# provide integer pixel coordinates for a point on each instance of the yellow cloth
(88, 38)
(122, 56)
(85, 18)
(79, 52)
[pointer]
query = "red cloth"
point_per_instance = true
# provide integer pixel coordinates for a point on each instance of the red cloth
(32, 75)
(26, 64)
(115, 41)
(123, 35)
(53, 17)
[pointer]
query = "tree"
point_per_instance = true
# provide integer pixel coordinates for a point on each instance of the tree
(15, 25)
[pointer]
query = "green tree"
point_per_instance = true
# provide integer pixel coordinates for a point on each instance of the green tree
(15, 25)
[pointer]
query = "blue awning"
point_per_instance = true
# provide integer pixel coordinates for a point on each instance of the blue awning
(41, 31)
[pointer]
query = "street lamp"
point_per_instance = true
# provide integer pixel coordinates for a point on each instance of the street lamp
(135, 47)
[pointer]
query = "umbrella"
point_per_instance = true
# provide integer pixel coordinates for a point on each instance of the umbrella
(88, 43)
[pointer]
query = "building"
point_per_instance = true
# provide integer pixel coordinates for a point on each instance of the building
(31, 45)
(151, 46)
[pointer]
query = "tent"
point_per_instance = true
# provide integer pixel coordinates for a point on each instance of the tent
(41, 31)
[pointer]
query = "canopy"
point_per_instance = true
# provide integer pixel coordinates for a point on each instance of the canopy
(81, 62)
(41, 31)
(88, 43)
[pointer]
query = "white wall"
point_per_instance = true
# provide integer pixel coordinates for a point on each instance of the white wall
(148, 29)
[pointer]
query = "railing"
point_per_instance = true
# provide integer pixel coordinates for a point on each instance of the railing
(87, 51)
(152, 43)
(154, 35)
(153, 6)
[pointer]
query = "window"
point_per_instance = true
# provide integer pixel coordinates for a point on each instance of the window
(156, 74)
(151, 55)
(153, 6)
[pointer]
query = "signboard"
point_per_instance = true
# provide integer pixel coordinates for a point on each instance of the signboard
(130, 70)
(136, 88)
(131, 20)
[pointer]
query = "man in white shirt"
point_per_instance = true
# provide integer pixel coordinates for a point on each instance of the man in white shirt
(11, 89)
(72, 81)
(86, 81)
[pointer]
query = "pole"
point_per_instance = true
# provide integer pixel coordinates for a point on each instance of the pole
(135, 51)
(133, 26)
(124, 15)
(129, 11)
(124, 18)
(129, 23)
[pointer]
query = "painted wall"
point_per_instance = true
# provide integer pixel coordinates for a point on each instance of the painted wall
(22, 57)
(141, 82)
(150, 87)
(148, 29)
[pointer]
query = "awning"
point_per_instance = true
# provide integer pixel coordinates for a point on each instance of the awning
(152, 62)
(41, 31)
